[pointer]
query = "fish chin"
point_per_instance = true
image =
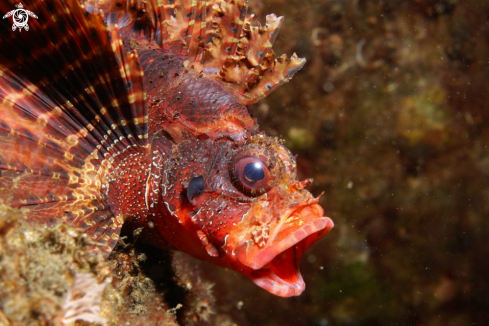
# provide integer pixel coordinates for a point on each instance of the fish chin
(275, 267)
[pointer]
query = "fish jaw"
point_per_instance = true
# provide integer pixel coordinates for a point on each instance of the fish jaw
(275, 267)
(281, 276)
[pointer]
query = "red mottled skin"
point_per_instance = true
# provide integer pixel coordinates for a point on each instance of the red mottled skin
(197, 127)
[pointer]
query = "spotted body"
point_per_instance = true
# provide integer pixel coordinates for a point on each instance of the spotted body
(134, 112)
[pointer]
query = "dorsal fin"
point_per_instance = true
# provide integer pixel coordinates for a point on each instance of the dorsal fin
(215, 33)
(71, 102)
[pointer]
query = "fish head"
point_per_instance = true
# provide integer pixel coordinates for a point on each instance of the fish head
(247, 210)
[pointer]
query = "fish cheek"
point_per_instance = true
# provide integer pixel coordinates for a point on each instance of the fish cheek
(218, 217)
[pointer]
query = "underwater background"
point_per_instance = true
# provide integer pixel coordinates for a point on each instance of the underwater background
(390, 117)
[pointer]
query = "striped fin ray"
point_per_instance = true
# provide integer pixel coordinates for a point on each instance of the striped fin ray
(216, 33)
(177, 16)
(71, 101)
(195, 39)
(242, 54)
(227, 19)
(251, 68)
(174, 25)
(86, 69)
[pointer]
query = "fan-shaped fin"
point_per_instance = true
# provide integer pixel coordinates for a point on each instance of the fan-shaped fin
(215, 33)
(71, 102)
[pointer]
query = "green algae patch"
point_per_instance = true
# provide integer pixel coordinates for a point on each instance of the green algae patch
(421, 117)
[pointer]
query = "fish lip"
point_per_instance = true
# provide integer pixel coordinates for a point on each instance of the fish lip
(275, 267)
(281, 275)
(262, 256)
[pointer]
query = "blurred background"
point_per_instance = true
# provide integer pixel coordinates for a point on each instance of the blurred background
(390, 118)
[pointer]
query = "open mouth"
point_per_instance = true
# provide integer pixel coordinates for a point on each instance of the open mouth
(276, 265)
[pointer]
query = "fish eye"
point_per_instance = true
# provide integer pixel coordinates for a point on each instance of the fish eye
(253, 172)
(251, 175)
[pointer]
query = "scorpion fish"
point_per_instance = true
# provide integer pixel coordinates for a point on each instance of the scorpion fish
(134, 113)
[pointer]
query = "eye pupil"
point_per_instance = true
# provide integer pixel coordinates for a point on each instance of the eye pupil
(253, 172)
